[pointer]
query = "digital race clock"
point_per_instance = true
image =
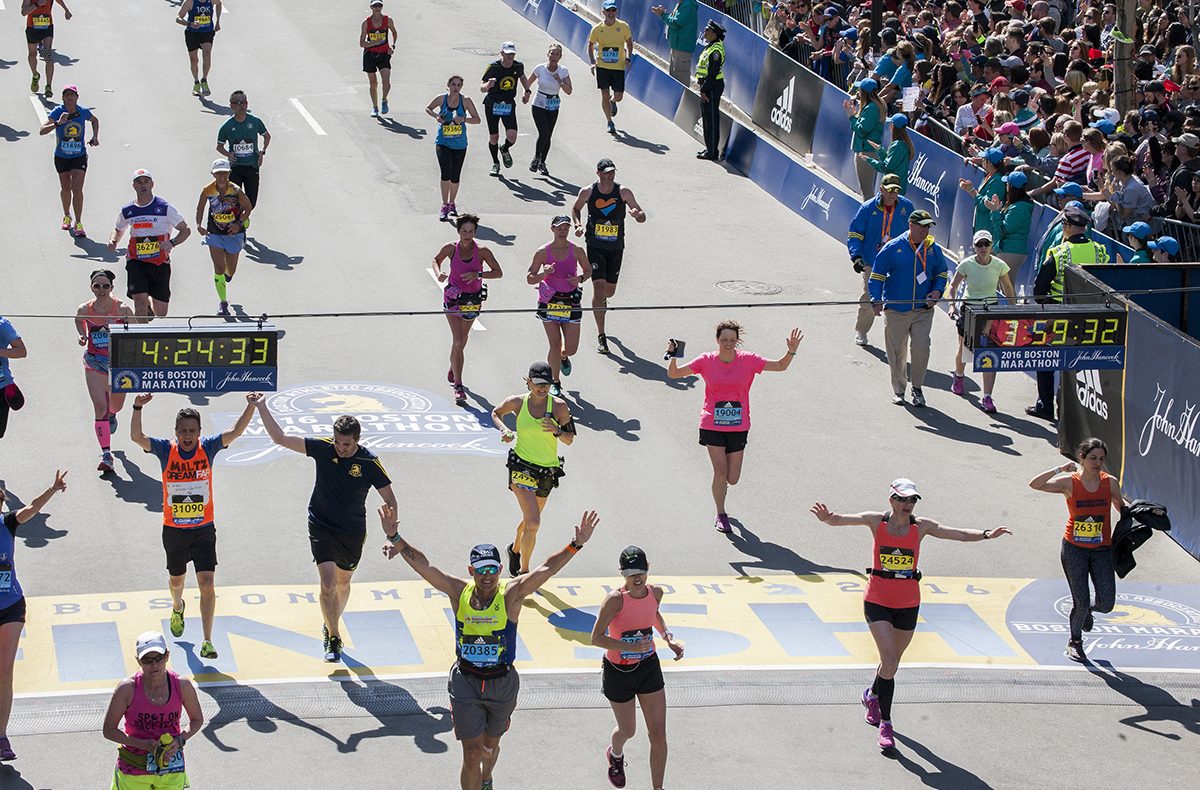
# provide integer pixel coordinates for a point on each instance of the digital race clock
(1045, 337)
(240, 357)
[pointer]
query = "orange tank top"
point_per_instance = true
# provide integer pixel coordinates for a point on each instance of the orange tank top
(1089, 522)
(633, 623)
(898, 554)
(187, 489)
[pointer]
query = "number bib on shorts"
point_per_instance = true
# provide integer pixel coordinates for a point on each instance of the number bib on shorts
(482, 650)
(523, 479)
(898, 561)
(727, 413)
(502, 108)
(552, 102)
(1088, 530)
(610, 54)
(6, 577)
(633, 637)
(188, 501)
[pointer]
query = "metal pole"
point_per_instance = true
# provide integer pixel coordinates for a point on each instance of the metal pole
(1123, 78)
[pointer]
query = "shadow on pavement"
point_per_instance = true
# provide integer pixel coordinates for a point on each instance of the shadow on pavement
(10, 134)
(484, 233)
(378, 698)
(11, 779)
(237, 702)
(140, 487)
(36, 532)
(7, 64)
(528, 193)
(399, 128)
(625, 138)
(261, 253)
(213, 108)
(945, 775)
(573, 624)
(559, 184)
(94, 250)
(597, 419)
(1160, 705)
(64, 60)
(482, 412)
(773, 557)
(942, 424)
(645, 369)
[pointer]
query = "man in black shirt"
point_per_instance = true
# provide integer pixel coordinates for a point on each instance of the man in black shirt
(337, 514)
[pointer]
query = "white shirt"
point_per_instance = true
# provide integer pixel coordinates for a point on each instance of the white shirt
(547, 86)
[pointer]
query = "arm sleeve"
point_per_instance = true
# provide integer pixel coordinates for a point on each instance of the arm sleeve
(122, 223)
(161, 448)
(260, 126)
(856, 234)
(379, 475)
(312, 447)
(879, 272)
(212, 445)
(8, 333)
(222, 133)
(697, 365)
(57, 112)
(941, 271)
(757, 363)
(174, 217)
(1045, 276)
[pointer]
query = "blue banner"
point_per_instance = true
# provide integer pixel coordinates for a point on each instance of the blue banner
(569, 29)
(933, 178)
(831, 138)
(654, 87)
(195, 381)
(1000, 359)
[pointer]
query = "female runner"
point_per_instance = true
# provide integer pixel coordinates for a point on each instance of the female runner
(557, 270)
(91, 321)
(452, 111)
(462, 299)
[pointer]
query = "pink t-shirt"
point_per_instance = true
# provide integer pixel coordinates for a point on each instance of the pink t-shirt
(726, 389)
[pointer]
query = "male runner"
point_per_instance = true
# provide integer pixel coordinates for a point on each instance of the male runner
(500, 101)
(201, 20)
(39, 37)
(337, 514)
(483, 682)
(606, 203)
(612, 40)
(377, 54)
(189, 532)
(148, 263)
(237, 141)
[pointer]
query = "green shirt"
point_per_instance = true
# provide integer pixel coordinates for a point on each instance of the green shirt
(867, 125)
(241, 140)
(894, 160)
(1013, 223)
(991, 185)
(982, 281)
(682, 26)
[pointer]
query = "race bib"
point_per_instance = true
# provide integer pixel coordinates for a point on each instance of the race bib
(610, 54)
(522, 479)
(469, 308)
(188, 501)
(172, 766)
(481, 650)
(41, 22)
(899, 561)
(223, 217)
(203, 20)
(452, 130)
(727, 413)
(559, 311)
(376, 37)
(606, 230)
(502, 108)
(552, 102)
(241, 150)
(71, 147)
(1087, 531)
(6, 577)
(147, 248)
(633, 637)
(99, 337)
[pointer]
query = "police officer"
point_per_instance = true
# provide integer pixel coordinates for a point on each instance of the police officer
(872, 227)
(1048, 287)
(710, 74)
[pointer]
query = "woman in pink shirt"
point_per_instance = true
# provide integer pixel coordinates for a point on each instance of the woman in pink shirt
(725, 418)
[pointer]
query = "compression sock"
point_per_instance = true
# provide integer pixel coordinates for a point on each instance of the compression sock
(505, 148)
(885, 689)
(219, 280)
(103, 434)
(495, 153)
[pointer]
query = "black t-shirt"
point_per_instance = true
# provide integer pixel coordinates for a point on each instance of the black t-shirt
(507, 80)
(339, 495)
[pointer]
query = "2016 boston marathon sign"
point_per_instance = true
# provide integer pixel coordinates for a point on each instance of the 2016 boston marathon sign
(394, 419)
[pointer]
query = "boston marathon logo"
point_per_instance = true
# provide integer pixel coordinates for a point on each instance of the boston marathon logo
(394, 420)
(125, 381)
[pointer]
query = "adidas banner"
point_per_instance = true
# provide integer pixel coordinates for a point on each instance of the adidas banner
(787, 101)
(687, 118)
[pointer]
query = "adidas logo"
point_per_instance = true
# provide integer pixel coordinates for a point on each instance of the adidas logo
(1090, 393)
(781, 114)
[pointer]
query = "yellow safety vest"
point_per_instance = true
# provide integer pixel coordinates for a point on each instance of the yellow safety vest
(702, 66)
(1088, 252)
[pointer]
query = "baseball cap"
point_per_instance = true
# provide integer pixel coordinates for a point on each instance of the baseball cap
(980, 90)
(1189, 139)
(899, 119)
(979, 60)
(1148, 49)
(610, 4)
(73, 88)
(1008, 128)
(1070, 189)
(220, 165)
(560, 219)
(850, 33)
(903, 486)
(921, 217)
(1139, 230)
(1011, 61)
(605, 166)
(994, 155)
(1020, 96)
(1075, 213)
(867, 85)
(999, 82)
(1104, 125)
(485, 555)
(1155, 86)
(508, 47)
(633, 561)
(832, 11)
(1016, 179)
(1150, 115)
(892, 183)
(1107, 113)
(982, 235)
(141, 172)
(540, 373)
(150, 642)
(1167, 244)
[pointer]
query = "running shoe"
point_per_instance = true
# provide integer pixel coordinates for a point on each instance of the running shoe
(444, 214)
(616, 768)
(177, 621)
(887, 739)
(487, 785)
(6, 752)
(1075, 652)
(33, 84)
(66, 223)
(106, 463)
(602, 344)
(987, 405)
(207, 650)
(450, 375)
(556, 390)
(204, 90)
(223, 309)
(112, 422)
(542, 167)
(453, 210)
(898, 399)
(49, 92)
(871, 703)
(460, 395)
(325, 637)
(334, 651)
(506, 157)
(496, 169)
(79, 232)
(957, 386)
(1089, 622)
(1034, 411)
(514, 561)
(566, 366)
(918, 398)
(383, 107)
(612, 128)
(612, 108)
(196, 89)
(533, 165)
(722, 523)
(374, 112)
(860, 338)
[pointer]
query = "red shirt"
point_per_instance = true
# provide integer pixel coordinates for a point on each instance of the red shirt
(899, 554)
(1089, 514)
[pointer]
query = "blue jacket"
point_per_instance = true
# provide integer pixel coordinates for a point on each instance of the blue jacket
(895, 271)
(865, 237)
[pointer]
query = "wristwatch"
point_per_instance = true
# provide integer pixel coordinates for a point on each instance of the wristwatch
(574, 545)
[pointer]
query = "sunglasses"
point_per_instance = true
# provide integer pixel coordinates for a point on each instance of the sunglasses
(238, 101)
(102, 286)
(152, 658)
(912, 500)
(491, 570)
(983, 244)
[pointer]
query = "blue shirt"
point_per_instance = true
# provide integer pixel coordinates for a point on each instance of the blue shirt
(456, 124)
(902, 279)
(885, 68)
(70, 143)
(205, 10)
(7, 336)
(10, 588)
(902, 78)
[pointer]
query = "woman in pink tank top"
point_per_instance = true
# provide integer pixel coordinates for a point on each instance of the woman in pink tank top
(91, 322)
(557, 270)
(625, 627)
(151, 702)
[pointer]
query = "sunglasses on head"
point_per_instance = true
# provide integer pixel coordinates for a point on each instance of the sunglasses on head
(152, 658)
(490, 570)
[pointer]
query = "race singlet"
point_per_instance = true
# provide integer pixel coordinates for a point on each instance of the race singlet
(610, 54)
(727, 413)
(482, 650)
(1088, 529)
(633, 637)
(898, 561)
(188, 500)
(502, 108)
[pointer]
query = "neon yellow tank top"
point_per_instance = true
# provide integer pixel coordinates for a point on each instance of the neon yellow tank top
(533, 444)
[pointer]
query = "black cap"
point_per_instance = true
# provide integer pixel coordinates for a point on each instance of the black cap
(540, 373)
(605, 166)
(485, 555)
(633, 561)
(715, 27)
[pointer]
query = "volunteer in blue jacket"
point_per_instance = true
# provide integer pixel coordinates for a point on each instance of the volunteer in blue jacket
(907, 279)
(866, 123)
(1011, 217)
(682, 32)
(899, 153)
(872, 227)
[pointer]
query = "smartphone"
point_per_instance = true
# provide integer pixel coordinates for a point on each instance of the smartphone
(678, 352)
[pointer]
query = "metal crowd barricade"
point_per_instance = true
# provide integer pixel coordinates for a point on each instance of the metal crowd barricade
(751, 13)
(945, 136)
(1186, 233)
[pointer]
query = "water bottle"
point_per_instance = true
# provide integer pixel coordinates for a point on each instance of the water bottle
(1021, 294)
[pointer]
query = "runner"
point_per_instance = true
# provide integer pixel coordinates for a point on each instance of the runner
(893, 594)
(625, 626)
(377, 53)
(12, 601)
(607, 202)
(557, 270)
(1092, 494)
(148, 262)
(11, 347)
(612, 40)
(337, 513)
(39, 38)
(534, 465)
(552, 79)
(984, 274)
(189, 532)
(225, 233)
(453, 111)
(500, 102)
(152, 701)
(483, 682)
(91, 322)
(70, 157)
(237, 141)
(464, 294)
(725, 417)
(201, 20)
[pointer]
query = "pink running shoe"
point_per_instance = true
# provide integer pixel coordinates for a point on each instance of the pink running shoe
(616, 769)
(957, 386)
(722, 523)
(987, 405)
(444, 214)
(887, 739)
(871, 703)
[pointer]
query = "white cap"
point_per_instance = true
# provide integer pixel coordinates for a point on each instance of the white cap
(220, 165)
(904, 487)
(981, 235)
(1107, 114)
(141, 172)
(151, 642)
(508, 47)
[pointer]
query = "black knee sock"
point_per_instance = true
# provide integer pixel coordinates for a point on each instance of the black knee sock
(494, 149)
(507, 145)
(885, 689)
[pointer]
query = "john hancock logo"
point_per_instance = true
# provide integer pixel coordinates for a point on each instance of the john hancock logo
(918, 179)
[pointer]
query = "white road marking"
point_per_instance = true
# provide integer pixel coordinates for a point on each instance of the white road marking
(476, 326)
(37, 106)
(316, 127)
